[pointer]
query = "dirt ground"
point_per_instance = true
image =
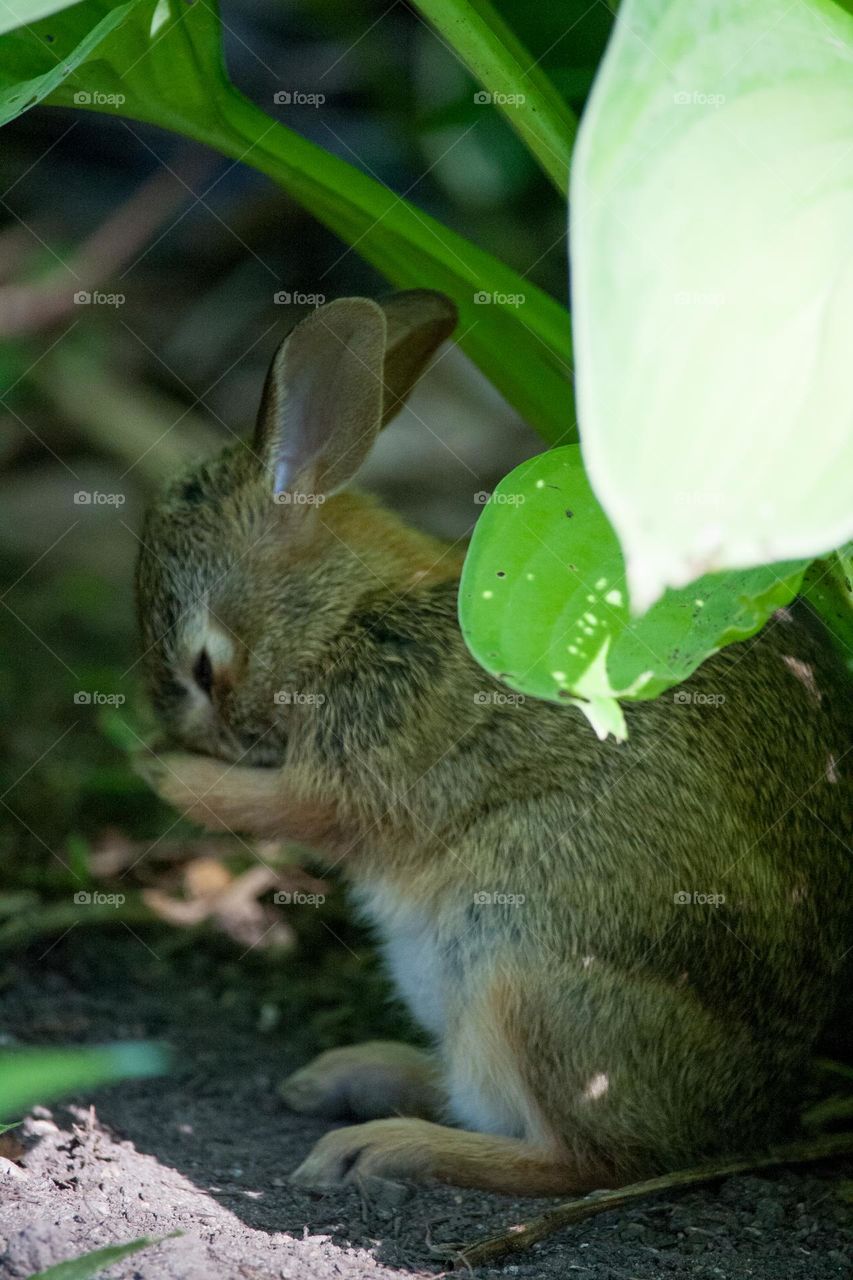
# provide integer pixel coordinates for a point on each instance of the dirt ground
(207, 1150)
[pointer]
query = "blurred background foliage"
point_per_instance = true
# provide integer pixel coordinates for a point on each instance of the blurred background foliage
(111, 399)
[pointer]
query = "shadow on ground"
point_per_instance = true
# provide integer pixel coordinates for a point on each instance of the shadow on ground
(207, 1152)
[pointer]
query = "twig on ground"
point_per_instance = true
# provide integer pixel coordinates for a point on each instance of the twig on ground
(526, 1234)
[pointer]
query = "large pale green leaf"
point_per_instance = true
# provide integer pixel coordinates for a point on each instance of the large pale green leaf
(160, 61)
(16, 13)
(712, 210)
(544, 601)
(512, 80)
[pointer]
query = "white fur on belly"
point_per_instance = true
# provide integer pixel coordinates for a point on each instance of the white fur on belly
(484, 1088)
(410, 947)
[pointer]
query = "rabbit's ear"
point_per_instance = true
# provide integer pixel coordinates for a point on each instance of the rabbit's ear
(322, 400)
(419, 320)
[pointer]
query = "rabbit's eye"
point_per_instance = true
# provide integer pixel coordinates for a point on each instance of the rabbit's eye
(203, 672)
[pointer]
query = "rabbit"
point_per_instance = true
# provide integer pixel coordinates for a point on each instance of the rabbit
(621, 953)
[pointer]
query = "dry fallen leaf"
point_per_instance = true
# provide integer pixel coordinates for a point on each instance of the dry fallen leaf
(212, 893)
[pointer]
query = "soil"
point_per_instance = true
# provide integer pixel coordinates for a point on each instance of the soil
(206, 1152)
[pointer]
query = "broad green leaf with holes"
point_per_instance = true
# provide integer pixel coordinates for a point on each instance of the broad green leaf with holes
(828, 588)
(544, 602)
(712, 207)
(161, 61)
(35, 61)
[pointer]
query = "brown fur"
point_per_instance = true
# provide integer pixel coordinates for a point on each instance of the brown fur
(600, 1029)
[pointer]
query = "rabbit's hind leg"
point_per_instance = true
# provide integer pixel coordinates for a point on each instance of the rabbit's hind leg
(365, 1082)
(506, 1147)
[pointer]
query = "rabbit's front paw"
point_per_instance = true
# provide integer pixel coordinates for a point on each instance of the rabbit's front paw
(178, 775)
(215, 793)
(380, 1149)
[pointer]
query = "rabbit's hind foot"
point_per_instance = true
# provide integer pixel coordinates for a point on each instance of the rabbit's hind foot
(416, 1150)
(365, 1082)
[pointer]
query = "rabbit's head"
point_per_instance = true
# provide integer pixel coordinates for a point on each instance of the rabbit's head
(251, 562)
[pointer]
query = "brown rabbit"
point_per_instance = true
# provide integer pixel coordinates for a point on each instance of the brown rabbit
(623, 952)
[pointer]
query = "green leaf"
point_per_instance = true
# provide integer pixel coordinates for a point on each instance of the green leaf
(89, 1264)
(115, 727)
(712, 200)
(512, 80)
(160, 61)
(80, 858)
(828, 588)
(30, 67)
(16, 13)
(544, 601)
(28, 1076)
